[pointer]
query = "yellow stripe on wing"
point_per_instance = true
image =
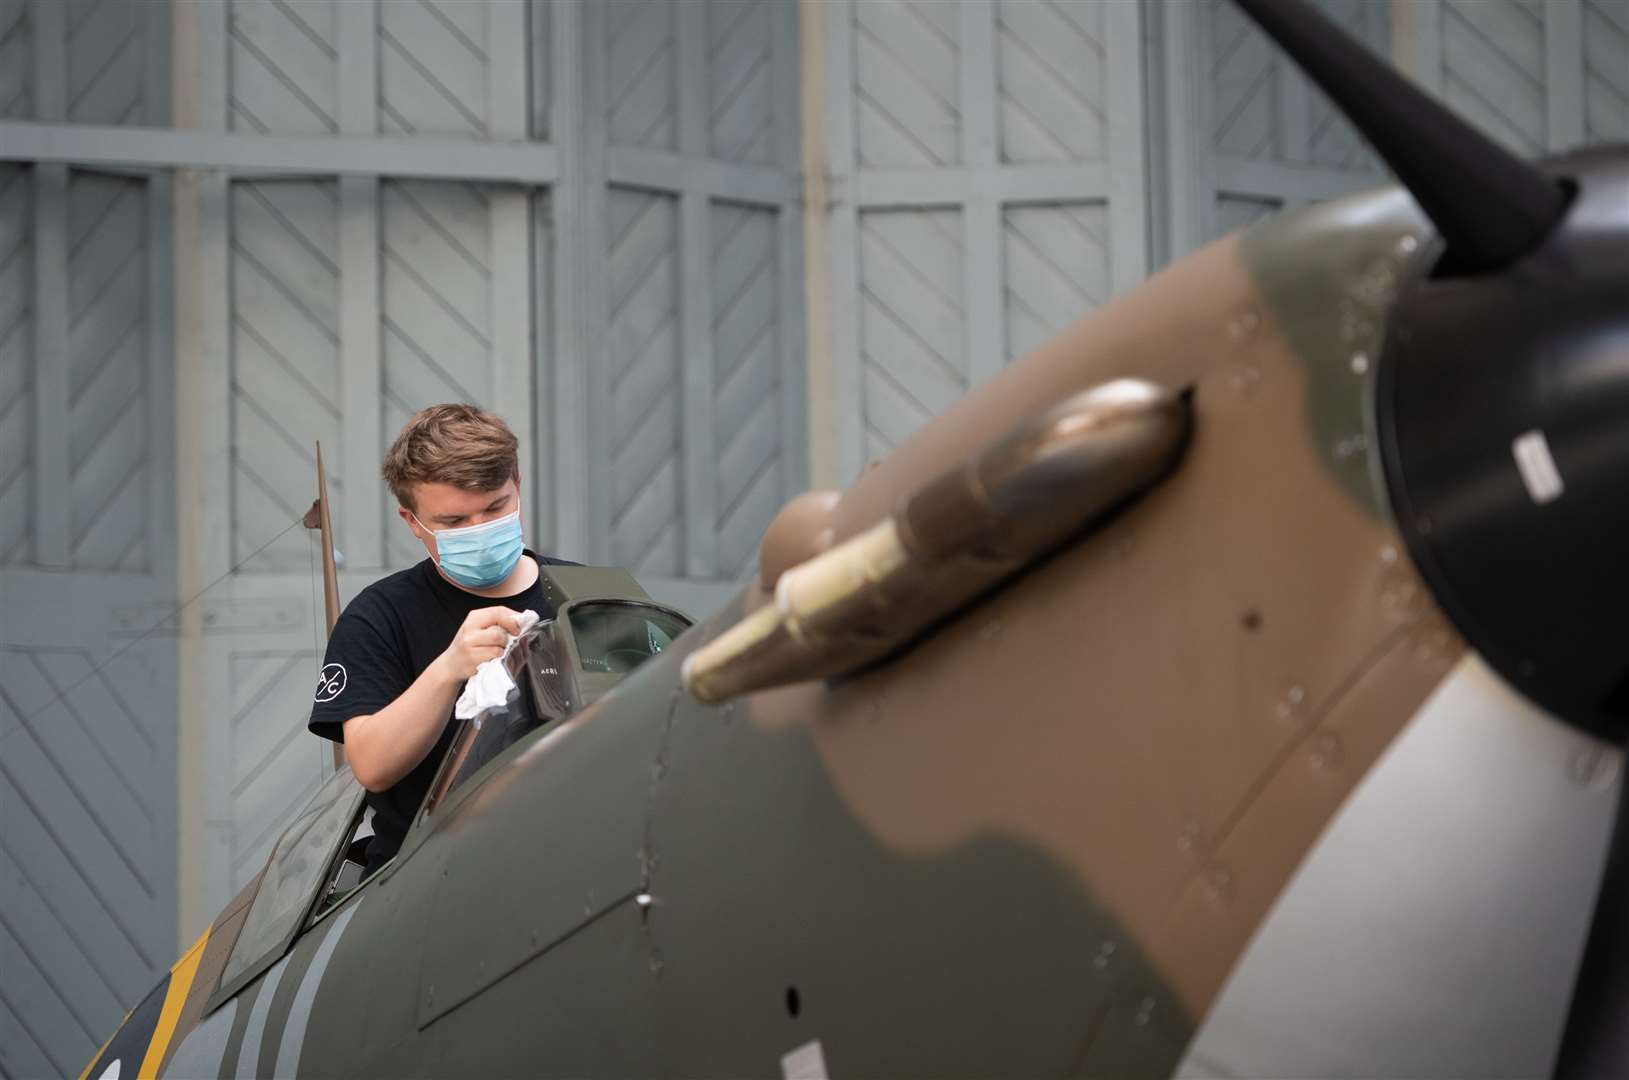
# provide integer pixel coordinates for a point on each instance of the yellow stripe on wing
(180, 983)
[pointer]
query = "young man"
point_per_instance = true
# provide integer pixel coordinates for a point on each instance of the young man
(402, 650)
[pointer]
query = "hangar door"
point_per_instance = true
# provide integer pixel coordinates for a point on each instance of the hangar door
(581, 216)
(987, 164)
(87, 705)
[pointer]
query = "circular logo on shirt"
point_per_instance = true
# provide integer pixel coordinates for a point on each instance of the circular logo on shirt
(330, 682)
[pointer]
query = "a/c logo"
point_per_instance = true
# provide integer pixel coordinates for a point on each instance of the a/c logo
(330, 682)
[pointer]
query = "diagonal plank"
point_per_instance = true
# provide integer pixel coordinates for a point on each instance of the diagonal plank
(905, 87)
(105, 54)
(16, 62)
(740, 95)
(641, 73)
(284, 70)
(1051, 71)
(1057, 269)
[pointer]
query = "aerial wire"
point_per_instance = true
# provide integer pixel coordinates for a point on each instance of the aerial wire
(138, 639)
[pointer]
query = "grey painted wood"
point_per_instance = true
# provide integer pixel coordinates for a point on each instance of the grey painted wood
(279, 155)
(50, 323)
(695, 334)
(981, 215)
(1190, 179)
(593, 344)
(1563, 74)
(642, 71)
(1128, 222)
(1606, 59)
(358, 531)
(17, 270)
(433, 68)
(109, 299)
(745, 474)
(160, 326)
(51, 512)
(1425, 32)
(87, 773)
(283, 67)
(1536, 77)
(661, 170)
(16, 60)
(335, 279)
(845, 260)
(1244, 129)
(790, 328)
(643, 380)
(983, 111)
(510, 236)
(576, 205)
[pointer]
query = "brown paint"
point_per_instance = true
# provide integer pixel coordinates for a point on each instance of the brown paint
(1109, 706)
(801, 530)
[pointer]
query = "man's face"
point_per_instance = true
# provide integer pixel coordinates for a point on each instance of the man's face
(442, 506)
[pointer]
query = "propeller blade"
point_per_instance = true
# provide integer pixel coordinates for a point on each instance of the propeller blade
(1490, 206)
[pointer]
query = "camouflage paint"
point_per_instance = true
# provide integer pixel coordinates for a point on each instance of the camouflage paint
(1330, 302)
(1120, 757)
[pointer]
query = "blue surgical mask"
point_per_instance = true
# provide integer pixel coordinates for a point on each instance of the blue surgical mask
(479, 556)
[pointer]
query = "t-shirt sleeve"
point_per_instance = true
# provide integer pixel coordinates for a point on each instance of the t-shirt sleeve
(362, 672)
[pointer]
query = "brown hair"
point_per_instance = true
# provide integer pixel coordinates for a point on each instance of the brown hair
(460, 445)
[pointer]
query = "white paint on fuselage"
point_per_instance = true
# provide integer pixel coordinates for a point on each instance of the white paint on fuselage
(1437, 926)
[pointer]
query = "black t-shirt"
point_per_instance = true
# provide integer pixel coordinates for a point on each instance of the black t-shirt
(381, 643)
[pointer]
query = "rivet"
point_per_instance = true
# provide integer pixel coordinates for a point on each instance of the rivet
(1326, 751)
(1289, 706)
(1245, 379)
(1360, 363)
(1243, 326)
(1407, 245)
(1593, 768)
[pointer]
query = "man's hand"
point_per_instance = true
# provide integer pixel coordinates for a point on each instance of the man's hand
(481, 638)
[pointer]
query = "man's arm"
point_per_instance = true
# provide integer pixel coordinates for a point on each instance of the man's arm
(385, 746)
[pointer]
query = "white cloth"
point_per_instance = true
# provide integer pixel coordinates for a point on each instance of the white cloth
(491, 684)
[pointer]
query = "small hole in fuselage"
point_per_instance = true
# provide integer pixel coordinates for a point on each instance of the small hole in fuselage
(793, 1004)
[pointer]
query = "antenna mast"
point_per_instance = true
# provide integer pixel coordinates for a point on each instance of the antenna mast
(318, 518)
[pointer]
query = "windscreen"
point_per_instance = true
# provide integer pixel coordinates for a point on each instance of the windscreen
(619, 636)
(298, 868)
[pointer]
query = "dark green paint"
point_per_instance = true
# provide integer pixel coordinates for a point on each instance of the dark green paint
(240, 1024)
(1328, 274)
(517, 906)
(977, 961)
(563, 584)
